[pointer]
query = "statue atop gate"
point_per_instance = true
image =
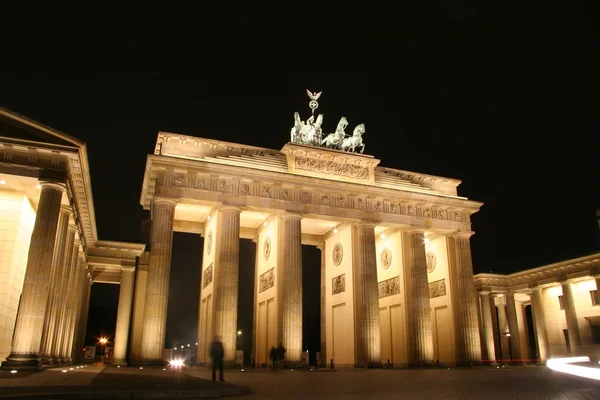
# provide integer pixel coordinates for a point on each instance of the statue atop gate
(310, 132)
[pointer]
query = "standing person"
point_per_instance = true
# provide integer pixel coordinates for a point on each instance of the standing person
(280, 355)
(217, 352)
(273, 358)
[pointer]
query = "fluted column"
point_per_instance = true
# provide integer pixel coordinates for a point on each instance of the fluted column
(123, 316)
(79, 310)
(503, 330)
(85, 299)
(488, 326)
(73, 291)
(571, 317)
(468, 346)
(513, 327)
(157, 289)
(61, 288)
(66, 316)
(539, 323)
(366, 296)
(323, 304)
(226, 278)
(34, 296)
(52, 307)
(289, 275)
(418, 308)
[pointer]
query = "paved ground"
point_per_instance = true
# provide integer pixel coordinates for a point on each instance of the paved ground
(514, 383)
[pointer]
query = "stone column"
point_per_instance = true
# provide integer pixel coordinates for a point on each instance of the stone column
(513, 327)
(289, 276)
(73, 292)
(366, 296)
(123, 316)
(65, 323)
(255, 306)
(85, 298)
(468, 346)
(323, 304)
(61, 299)
(79, 305)
(52, 308)
(226, 279)
(418, 308)
(488, 326)
(157, 289)
(539, 323)
(34, 296)
(502, 327)
(571, 317)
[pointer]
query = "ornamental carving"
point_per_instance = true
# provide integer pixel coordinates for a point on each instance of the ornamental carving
(378, 206)
(410, 210)
(265, 191)
(305, 196)
(456, 215)
(325, 199)
(441, 214)
(285, 194)
(338, 253)
(244, 188)
(207, 276)
(361, 203)
(332, 168)
(431, 261)
(267, 280)
(222, 185)
(209, 242)
(267, 248)
(180, 179)
(437, 288)
(394, 208)
(342, 202)
(427, 212)
(385, 258)
(200, 183)
(338, 284)
(389, 287)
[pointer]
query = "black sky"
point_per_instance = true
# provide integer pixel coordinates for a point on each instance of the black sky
(502, 97)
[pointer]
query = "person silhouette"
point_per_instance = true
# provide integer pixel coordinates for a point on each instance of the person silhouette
(280, 355)
(217, 352)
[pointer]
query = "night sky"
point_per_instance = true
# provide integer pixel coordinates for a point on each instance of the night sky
(503, 98)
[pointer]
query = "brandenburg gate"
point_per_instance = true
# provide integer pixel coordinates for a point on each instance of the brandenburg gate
(396, 269)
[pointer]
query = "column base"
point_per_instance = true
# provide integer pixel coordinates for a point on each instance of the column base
(46, 361)
(22, 361)
(151, 363)
(422, 364)
(119, 363)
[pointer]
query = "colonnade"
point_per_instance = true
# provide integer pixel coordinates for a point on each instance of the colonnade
(50, 324)
(224, 297)
(503, 331)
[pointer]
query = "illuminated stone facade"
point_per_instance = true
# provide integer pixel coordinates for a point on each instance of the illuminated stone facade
(397, 278)
(541, 313)
(49, 250)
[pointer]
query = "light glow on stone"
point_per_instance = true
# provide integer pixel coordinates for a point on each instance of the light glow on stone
(335, 230)
(564, 365)
(208, 218)
(64, 370)
(426, 240)
(177, 363)
(2, 182)
(14, 371)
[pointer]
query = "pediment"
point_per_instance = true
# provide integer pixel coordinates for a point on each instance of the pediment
(17, 127)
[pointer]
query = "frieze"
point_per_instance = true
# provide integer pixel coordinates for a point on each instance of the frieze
(180, 179)
(267, 280)
(341, 201)
(223, 186)
(266, 191)
(305, 196)
(244, 188)
(437, 288)
(325, 199)
(338, 284)
(427, 212)
(207, 276)
(389, 287)
(285, 193)
(331, 168)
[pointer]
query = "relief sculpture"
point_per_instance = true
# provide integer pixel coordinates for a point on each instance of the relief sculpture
(207, 276)
(332, 168)
(338, 284)
(267, 280)
(389, 287)
(437, 288)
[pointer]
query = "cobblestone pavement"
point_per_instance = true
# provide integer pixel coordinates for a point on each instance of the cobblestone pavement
(515, 383)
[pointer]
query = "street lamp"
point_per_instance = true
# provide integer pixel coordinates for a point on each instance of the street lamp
(103, 342)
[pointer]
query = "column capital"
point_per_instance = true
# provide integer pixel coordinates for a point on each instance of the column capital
(165, 200)
(288, 215)
(366, 224)
(66, 209)
(53, 185)
(459, 234)
(228, 207)
(416, 230)
(321, 246)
